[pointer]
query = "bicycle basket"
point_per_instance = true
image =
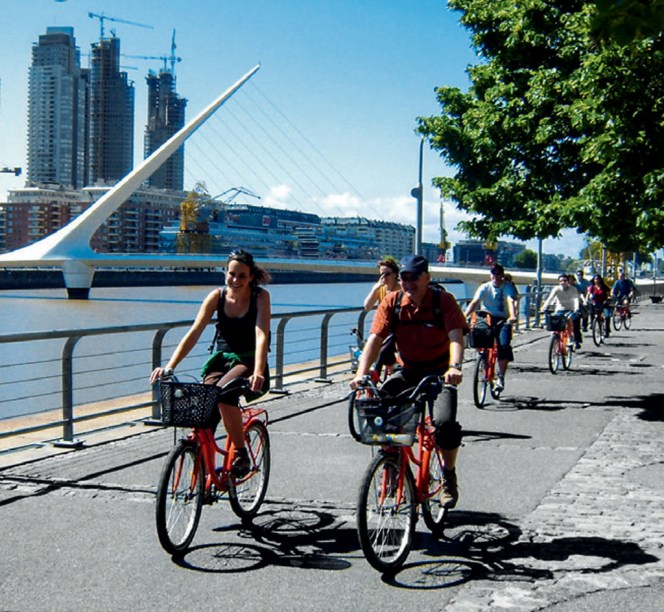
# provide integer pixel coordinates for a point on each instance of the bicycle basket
(385, 424)
(555, 322)
(187, 404)
(480, 335)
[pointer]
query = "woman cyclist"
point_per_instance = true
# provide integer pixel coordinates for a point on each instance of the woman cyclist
(243, 329)
(599, 294)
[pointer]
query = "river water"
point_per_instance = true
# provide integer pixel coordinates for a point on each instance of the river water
(30, 372)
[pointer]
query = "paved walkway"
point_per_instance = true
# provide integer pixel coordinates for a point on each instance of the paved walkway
(562, 505)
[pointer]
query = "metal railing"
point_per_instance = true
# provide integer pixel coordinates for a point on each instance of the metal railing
(329, 342)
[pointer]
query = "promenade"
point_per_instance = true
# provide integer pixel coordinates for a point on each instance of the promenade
(562, 505)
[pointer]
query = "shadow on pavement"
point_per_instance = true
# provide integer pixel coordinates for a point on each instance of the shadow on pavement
(652, 406)
(481, 546)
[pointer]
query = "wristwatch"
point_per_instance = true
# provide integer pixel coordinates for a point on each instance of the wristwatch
(456, 366)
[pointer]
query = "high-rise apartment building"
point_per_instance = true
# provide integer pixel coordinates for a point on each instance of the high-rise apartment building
(56, 111)
(111, 138)
(166, 111)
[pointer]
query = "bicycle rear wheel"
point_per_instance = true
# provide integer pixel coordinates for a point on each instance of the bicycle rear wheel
(617, 319)
(386, 513)
(433, 512)
(554, 353)
(247, 494)
(180, 497)
(480, 382)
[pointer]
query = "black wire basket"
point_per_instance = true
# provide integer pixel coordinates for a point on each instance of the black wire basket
(188, 404)
(381, 423)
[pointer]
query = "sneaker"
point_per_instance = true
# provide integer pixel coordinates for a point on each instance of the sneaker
(241, 464)
(499, 385)
(449, 494)
(577, 345)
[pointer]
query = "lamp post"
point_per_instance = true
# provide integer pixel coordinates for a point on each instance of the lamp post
(416, 192)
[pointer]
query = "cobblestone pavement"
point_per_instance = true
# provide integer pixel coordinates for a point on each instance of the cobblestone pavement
(600, 528)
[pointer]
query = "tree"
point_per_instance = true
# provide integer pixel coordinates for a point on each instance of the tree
(526, 260)
(552, 132)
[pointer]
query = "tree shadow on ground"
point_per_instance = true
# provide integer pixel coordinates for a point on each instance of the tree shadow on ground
(479, 546)
(651, 406)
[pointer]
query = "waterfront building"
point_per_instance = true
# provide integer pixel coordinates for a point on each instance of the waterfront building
(57, 92)
(33, 213)
(166, 115)
(111, 112)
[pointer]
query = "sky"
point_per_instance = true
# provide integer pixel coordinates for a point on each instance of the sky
(327, 125)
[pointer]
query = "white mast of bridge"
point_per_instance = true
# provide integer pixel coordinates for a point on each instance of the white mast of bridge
(69, 247)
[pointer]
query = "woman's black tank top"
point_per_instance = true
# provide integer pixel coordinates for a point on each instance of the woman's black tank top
(238, 335)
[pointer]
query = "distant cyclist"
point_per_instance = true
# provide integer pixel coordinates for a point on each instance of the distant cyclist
(582, 285)
(623, 289)
(599, 296)
(498, 299)
(566, 300)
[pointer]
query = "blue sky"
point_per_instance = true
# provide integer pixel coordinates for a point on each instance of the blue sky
(346, 80)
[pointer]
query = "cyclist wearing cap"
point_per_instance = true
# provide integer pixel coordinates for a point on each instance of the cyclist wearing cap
(498, 299)
(426, 346)
(623, 289)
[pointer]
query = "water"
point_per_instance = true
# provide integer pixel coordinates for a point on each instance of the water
(30, 372)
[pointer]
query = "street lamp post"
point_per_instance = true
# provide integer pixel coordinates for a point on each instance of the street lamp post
(416, 192)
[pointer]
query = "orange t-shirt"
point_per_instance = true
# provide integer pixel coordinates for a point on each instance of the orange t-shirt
(423, 343)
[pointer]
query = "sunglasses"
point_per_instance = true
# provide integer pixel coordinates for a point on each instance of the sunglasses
(384, 274)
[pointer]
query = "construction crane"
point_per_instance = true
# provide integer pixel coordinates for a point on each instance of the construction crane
(14, 171)
(101, 22)
(172, 58)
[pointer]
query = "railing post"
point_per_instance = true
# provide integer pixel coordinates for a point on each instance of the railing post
(68, 395)
(157, 343)
(279, 359)
(324, 326)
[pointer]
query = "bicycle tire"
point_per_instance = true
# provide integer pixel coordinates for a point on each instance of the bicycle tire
(567, 357)
(246, 495)
(554, 354)
(353, 420)
(180, 497)
(598, 332)
(617, 319)
(479, 381)
(627, 321)
(433, 512)
(386, 513)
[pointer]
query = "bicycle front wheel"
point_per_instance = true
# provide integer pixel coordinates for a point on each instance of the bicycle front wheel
(598, 331)
(386, 513)
(180, 497)
(568, 351)
(627, 321)
(247, 494)
(479, 381)
(554, 354)
(433, 512)
(617, 319)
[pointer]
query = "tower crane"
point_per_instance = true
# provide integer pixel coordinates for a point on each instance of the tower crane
(101, 18)
(172, 58)
(14, 171)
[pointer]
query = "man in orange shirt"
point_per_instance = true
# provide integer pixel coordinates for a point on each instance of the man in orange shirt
(427, 344)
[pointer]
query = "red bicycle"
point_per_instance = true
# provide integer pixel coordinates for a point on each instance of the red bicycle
(622, 315)
(561, 347)
(389, 494)
(483, 338)
(191, 476)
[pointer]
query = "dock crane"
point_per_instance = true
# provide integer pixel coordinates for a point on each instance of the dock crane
(101, 18)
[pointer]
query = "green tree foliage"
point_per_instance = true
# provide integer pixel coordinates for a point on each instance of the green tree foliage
(556, 129)
(526, 260)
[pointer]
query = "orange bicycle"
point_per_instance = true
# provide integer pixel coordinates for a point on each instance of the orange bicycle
(622, 315)
(190, 477)
(389, 494)
(485, 340)
(561, 347)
